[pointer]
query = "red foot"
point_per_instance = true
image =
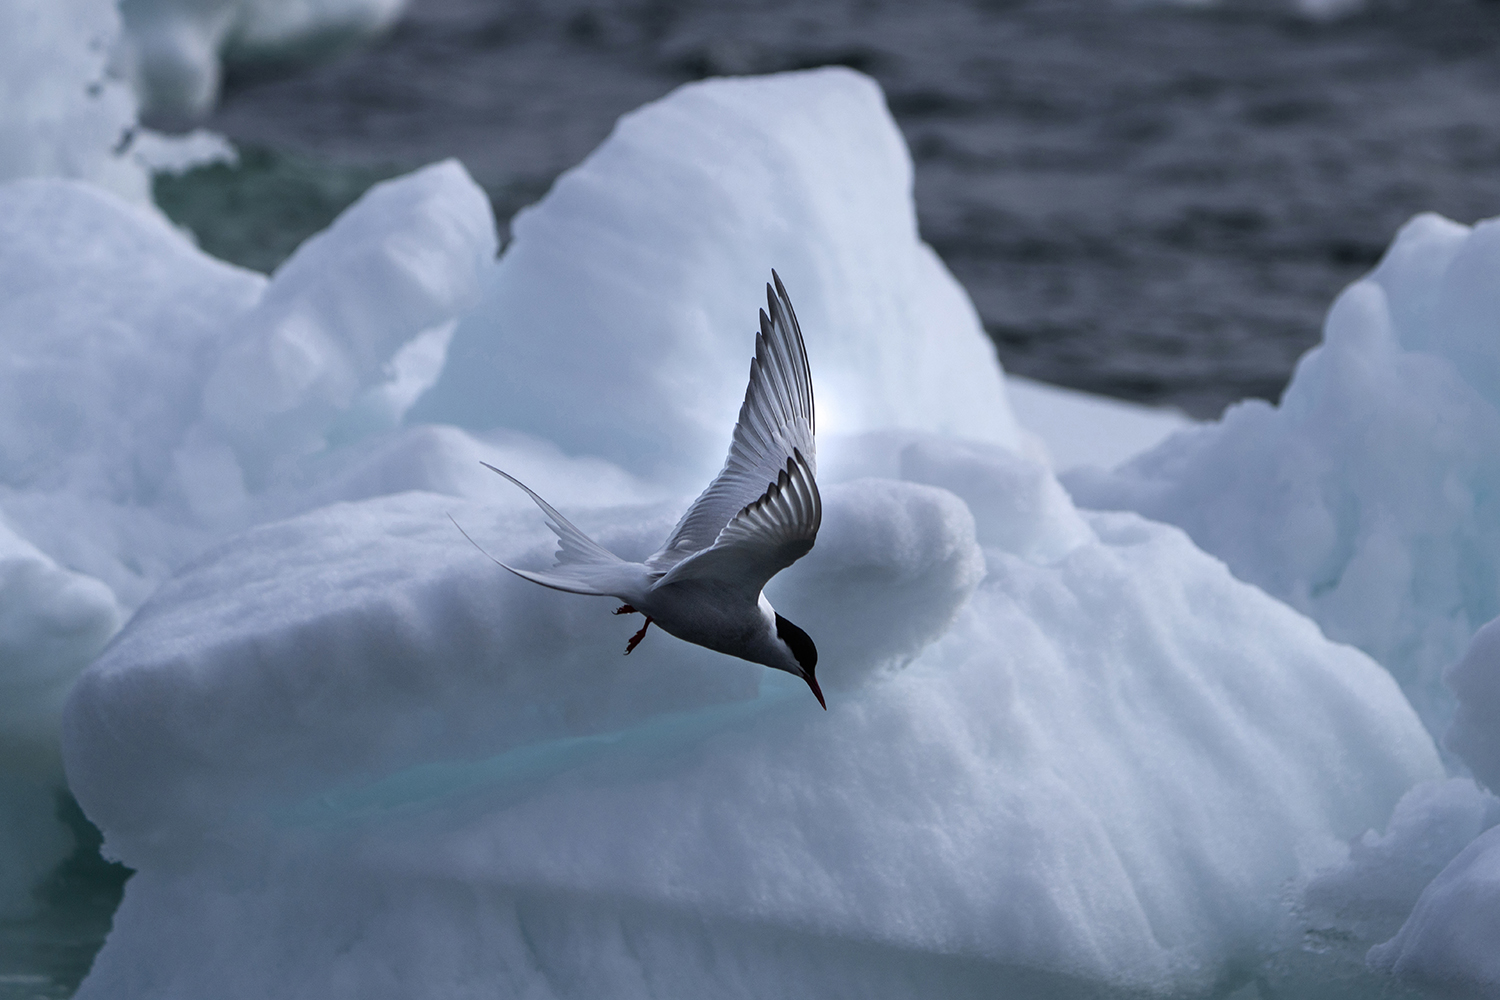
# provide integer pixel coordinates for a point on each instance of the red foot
(626, 609)
(635, 640)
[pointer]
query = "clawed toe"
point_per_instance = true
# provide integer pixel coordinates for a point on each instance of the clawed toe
(635, 640)
(626, 609)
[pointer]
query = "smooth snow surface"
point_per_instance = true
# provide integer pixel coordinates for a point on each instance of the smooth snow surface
(617, 322)
(174, 48)
(1077, 428)
(1367, 498)
(346, 753)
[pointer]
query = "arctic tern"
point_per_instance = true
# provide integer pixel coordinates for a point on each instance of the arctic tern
(758, 516)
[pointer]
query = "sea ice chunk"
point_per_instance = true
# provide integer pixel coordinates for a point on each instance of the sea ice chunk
(174, 47)
(52, 623)
(1104, 772)
(62, 112)
(408, 257)
(1365, 898)
(1452, 938)
(110, 320)
(1367, 498)
(619, 321)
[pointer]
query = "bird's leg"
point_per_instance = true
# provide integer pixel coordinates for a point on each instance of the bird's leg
(635, 640)
(626, 609)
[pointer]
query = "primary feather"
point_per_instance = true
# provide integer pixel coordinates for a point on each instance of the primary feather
(776, 423)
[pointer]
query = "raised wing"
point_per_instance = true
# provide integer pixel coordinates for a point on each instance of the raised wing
(583, 565)
(764, 538)
(776, 423)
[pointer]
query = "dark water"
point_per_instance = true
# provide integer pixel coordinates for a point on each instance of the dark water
(47, 957)
(1150, 201)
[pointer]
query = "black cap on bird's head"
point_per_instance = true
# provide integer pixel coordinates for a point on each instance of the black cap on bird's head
(801, 645)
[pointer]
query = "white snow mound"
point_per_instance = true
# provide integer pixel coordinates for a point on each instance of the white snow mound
(62, 112)
(347, 753)
(622, 318)
(394, 717)
(1367, 498)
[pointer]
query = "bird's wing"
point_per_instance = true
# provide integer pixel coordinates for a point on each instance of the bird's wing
(776, 423)
(764, 538)
(583, 565)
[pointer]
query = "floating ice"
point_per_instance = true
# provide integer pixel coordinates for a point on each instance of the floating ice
(1367, 498)
(52, 623)
(1475, 734)
(1064, 751)
(385, 727)
(1452, 936)
(618, 321)
(62, 112)
(408, 257)
(1366, 898)
(174, 47)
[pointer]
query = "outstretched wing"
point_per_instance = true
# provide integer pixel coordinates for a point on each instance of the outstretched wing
(775, 427)
(764, 538)
(583, 565)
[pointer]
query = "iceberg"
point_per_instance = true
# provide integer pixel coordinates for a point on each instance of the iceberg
(614, 325)
(174, 49)
(1451, 937)
(1066, 751)
(63, 111)
(1366, 497)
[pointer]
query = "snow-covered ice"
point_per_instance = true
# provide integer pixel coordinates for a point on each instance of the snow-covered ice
(174, 49)
(63, 113)
(615, 324)
(1065, 750)
(1367, 497)
(1452, 936)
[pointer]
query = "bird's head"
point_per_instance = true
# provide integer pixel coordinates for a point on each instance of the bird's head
(804, 654)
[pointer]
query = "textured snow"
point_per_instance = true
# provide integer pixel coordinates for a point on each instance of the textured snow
(1367, 497)
(633, 286)
(1452, 936)
(1064, 752)
(987, 789)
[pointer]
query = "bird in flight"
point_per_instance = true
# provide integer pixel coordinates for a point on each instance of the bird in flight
(758, 516)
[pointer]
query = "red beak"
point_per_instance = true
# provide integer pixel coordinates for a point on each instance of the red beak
(812, 682)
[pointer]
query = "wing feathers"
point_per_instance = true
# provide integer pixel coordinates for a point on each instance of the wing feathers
(776, 421)
(764, 538)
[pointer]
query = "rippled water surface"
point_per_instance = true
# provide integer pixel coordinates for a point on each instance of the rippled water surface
(1152, 201)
